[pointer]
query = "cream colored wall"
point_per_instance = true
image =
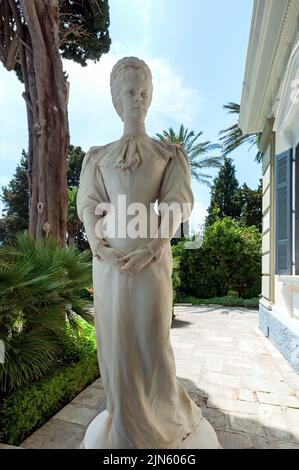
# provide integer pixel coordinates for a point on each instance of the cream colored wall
(286, 135)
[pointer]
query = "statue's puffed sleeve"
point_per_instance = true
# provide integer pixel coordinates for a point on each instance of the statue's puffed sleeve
(91, 192)
(175, 188)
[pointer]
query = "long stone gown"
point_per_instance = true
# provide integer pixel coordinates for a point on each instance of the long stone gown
(147, 405)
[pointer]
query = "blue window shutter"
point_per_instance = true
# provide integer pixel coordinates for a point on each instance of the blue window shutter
(283, 217)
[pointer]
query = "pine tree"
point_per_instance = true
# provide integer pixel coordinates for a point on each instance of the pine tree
(74, 163)
(224, 194)
(251, 205)
(15, 198)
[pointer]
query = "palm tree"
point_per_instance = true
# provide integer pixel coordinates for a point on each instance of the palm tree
(233, 137)
(41, 287)
(196, 151)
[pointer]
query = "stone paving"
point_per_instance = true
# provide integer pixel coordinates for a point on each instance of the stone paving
(245, 387)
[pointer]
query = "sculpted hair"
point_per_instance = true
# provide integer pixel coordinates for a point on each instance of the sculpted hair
(119, 72)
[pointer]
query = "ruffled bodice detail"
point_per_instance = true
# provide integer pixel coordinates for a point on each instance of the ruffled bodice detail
(128, 152)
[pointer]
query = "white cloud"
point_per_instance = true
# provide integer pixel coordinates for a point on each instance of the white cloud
(93, 119)
(172, 97)
(13, 120)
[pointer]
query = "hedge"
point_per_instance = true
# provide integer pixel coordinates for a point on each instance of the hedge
(229, 259)
(28, 408)
(227, 301)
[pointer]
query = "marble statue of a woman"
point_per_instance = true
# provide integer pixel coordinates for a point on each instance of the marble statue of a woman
(147, 407)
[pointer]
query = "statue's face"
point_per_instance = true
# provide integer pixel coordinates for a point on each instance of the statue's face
(134, 97)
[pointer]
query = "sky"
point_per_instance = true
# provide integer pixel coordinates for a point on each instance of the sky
(196, 51)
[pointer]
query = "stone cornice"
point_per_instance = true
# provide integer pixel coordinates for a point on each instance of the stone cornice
(273, 30)
(288, 105)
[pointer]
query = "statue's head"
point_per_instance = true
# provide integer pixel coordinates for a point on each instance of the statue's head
(131, 88)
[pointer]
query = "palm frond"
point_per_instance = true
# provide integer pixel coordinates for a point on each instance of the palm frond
(41, 286)
(232, 137)
(197, 151)
(27, 358)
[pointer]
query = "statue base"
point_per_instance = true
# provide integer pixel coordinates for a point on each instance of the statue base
(202, 437)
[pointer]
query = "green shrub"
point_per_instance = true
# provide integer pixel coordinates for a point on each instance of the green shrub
(228, 259)
(232, 293)
(251, 303)
(41, 288)
(176, 281)
(28, 408)
(227, 301)
(177, 250)
(76, 344)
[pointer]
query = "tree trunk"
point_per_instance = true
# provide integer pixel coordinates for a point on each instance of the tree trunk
(46, 98)
(72, 231)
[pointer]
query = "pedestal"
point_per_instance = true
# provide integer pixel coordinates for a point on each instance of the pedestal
(202, 437)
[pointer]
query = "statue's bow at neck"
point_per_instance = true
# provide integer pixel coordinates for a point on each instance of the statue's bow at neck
(128, 152)
(130, 149)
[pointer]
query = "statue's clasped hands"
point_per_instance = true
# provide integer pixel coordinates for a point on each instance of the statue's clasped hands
(136, 260)
(132, 262)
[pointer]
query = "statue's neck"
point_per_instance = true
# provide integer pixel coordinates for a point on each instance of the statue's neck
(136, 128)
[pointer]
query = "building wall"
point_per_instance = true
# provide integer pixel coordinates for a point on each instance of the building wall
(268, 105)
(285, 289)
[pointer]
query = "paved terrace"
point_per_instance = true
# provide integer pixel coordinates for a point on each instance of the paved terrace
(246, 389)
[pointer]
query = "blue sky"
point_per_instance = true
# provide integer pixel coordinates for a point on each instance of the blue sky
(196, 50)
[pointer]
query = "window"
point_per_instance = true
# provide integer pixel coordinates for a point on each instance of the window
(283, 218)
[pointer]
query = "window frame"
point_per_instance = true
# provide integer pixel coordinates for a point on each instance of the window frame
(288, 241)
